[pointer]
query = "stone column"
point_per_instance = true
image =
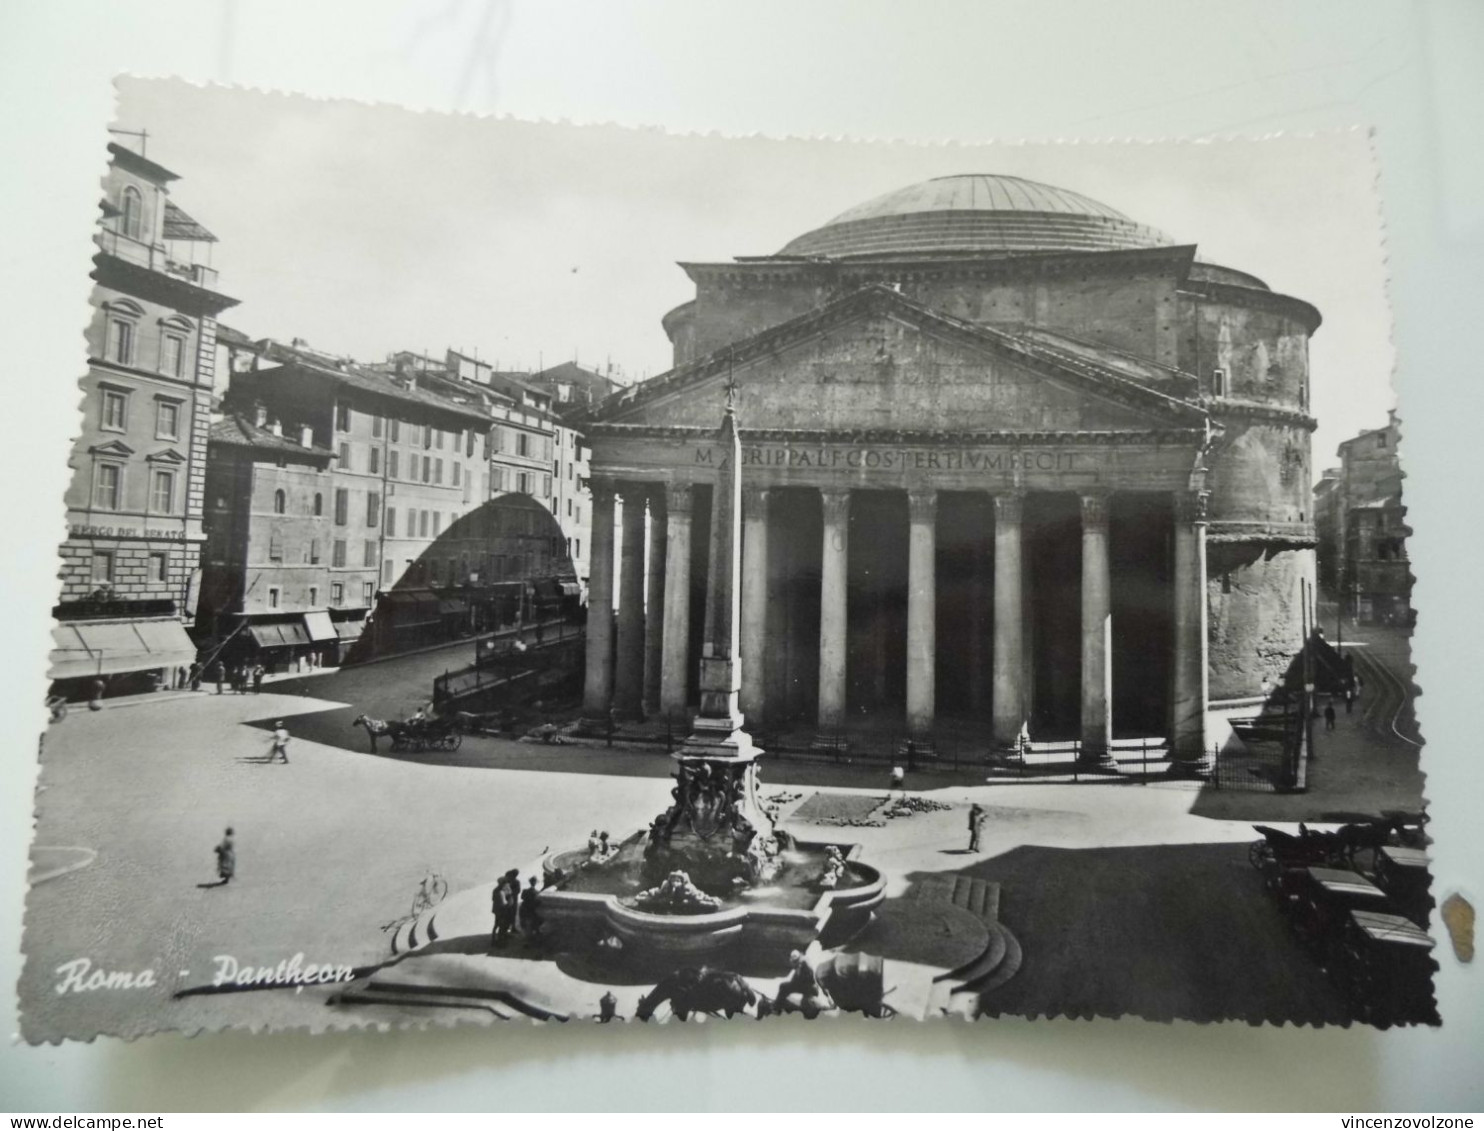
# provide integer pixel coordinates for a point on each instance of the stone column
(675, 661)
(754, 633)
(628, 676)
(1097, 632)
(1009, 629)
(922, 610)
(597, 693)
(1191, 684)
(832, 607)
(654, 601)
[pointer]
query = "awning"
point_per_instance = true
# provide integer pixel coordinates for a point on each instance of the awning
(320, 626)
(571, 589)
(349, 629)
(453, 606)
(412, 608)
(547, 587)
(278, 635)
(117, 647)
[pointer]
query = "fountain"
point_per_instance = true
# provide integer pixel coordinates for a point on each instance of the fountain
(712, 872)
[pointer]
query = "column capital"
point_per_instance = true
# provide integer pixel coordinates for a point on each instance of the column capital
(922, 504)
(603, 488)
(634, 492)
(678, 498)
(836, 502)
(1009, 506)
(755, 501)
(1192, 506)
(1095, 507)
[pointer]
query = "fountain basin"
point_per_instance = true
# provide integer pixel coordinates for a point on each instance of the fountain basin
(758, 923)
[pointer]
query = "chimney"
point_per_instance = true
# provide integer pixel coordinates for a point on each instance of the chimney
(276, 428)
(306, 436)
(261, 416)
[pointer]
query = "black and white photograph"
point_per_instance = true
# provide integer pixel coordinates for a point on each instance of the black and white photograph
(537, 572)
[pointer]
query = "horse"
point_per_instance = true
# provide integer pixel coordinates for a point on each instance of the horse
(375, 728)
(699, 990)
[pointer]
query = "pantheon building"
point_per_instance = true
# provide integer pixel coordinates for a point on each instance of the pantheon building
(1009, 458)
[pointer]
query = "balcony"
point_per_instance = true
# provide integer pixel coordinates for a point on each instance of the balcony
(155, 257)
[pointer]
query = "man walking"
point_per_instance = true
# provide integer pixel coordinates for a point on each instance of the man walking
(257, 679)
(976, 825)
(226, 859)
(1329, 715)
(280, 744)
(218, 674)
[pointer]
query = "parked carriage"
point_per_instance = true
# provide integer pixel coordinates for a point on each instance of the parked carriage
(414, 735)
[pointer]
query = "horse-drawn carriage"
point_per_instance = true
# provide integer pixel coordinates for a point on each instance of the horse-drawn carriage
(416, 734)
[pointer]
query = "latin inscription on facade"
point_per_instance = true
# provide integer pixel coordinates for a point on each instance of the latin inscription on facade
(897, 459)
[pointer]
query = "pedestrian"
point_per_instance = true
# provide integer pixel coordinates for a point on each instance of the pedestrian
(1349, 699)
(95, 700)
(280, 743)
(1329, 715)
(500, 908)
(218, 673)
(976, 825)
(530, 911)
(257, 679)
(226, 859)
(193, 677)
(898, 780)
(911, 757)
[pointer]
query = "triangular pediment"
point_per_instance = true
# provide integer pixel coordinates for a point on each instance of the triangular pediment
(169, 455)
(115, 448)
(875, 361)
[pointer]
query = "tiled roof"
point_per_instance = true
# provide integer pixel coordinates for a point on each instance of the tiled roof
(237, 431)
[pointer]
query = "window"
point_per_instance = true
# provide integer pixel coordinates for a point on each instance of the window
(522, 444)
(131, 222)
(373, 464)
(578, 544)
(427, 469)
(437, 523)
(172, 355)
(523, 482)
(393, 464)
(108, 486)
(344, 456)
(319, 505)
(486, 479)
(1381, 440)
(396, 431)
(427, 435)
(469, 444)
(422, 525)
(373, 508)
(103, 566)
(369, 555)
(273, 596)
(275, 546)
(313, 596)
(337, 594)
(314, 551)
(167, 420)
(458, 470)
(438, 438)
(280, 502)
(499, 479)
(337, 553)
(368, 591)
(579, 514)
(569, 508)
(157, 566)
(569, 473)
(386, 572)
(115, 410)
(342, 418)
(438, 471)
(488, 441)
(546, 486)
(162, 492)
(391, 522)
(342, 506)
(376, 423)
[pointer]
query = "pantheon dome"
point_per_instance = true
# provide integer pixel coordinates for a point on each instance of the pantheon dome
(975, 213)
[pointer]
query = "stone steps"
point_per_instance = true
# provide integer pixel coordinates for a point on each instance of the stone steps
(994, 966)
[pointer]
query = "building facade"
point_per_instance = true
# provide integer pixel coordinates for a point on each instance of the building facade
(131, 563)
(1007, 455)
(1363, 530)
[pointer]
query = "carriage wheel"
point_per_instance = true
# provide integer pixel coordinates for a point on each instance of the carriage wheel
(1260, 855)
(399, 743)
(453, 742)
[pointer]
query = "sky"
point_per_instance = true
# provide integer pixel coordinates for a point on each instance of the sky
(368, 229)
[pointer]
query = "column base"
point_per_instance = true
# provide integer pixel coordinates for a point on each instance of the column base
(1094, 758)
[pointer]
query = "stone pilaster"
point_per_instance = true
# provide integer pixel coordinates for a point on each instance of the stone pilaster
(628, 676)
(597, 693)
(1191, 684)
(654, 600)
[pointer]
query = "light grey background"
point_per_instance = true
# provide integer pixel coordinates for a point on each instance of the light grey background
(972, 71)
